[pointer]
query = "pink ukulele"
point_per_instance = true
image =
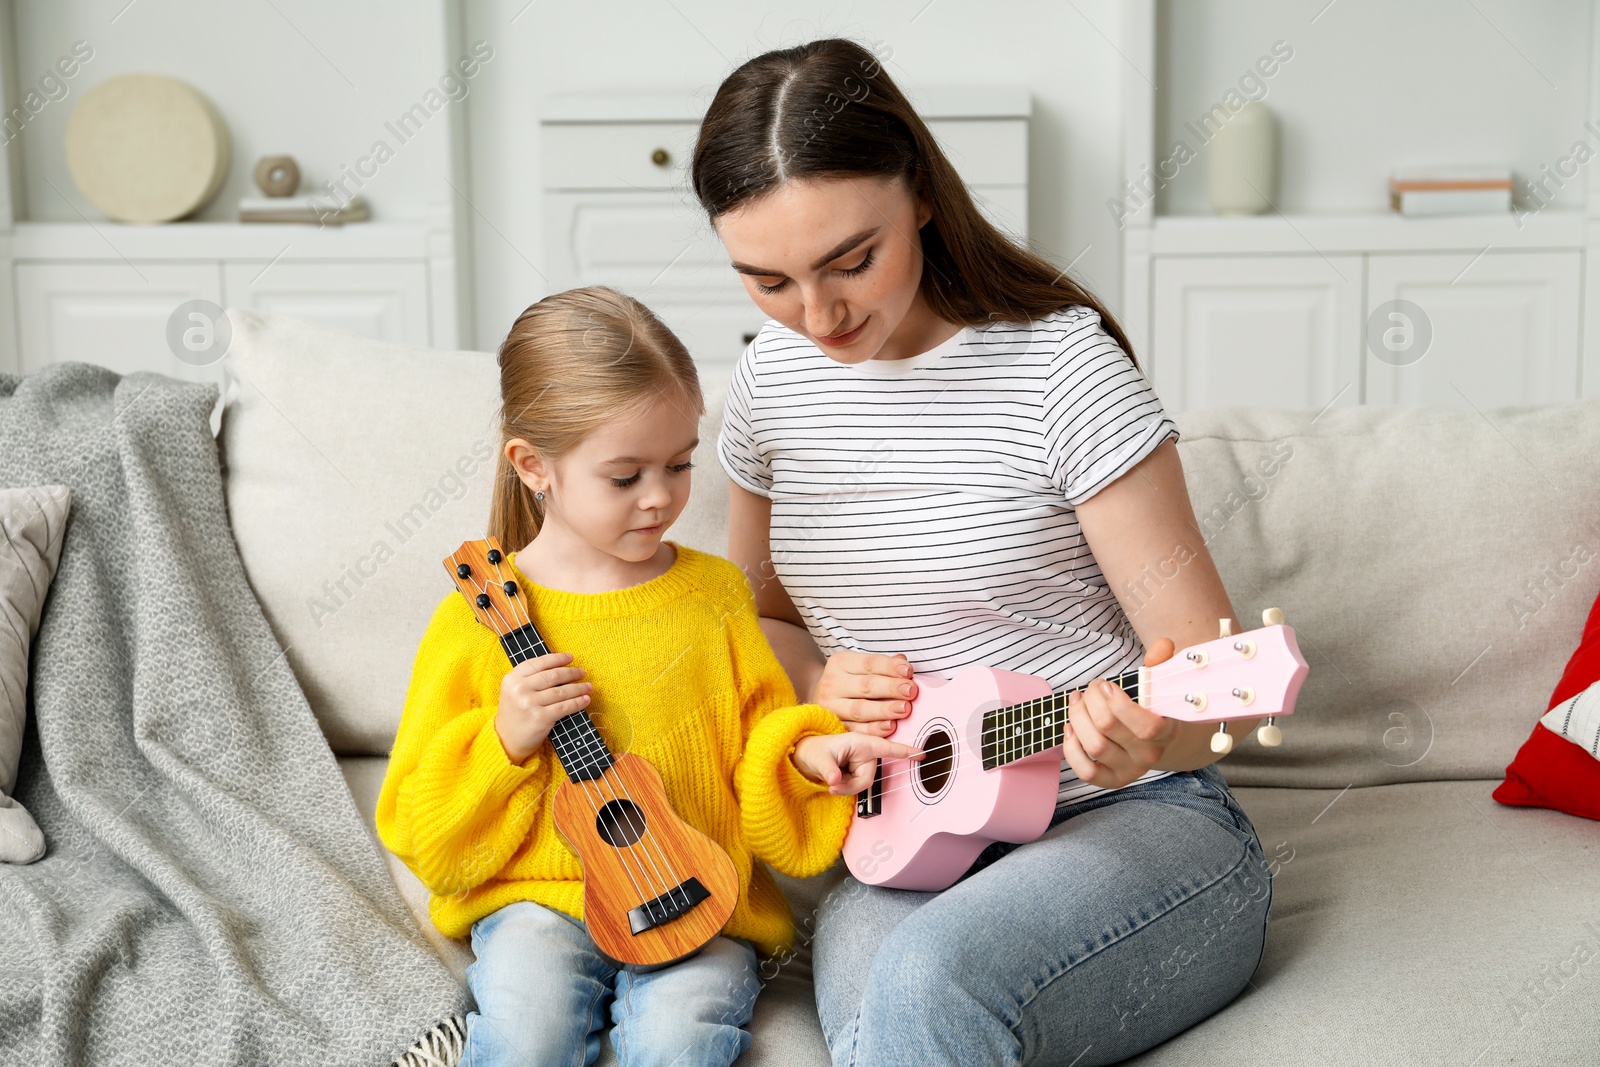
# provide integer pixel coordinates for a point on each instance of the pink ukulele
(993, 742)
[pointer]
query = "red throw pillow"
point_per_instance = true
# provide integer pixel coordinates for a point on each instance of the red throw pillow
(1549, 771)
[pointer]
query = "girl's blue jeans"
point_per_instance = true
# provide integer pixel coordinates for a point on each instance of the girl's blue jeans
(543, 991)
(1140, 912)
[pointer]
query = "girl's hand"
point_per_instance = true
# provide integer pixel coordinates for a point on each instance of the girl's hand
(869, 692)
(1110, 740)
(533, 695)
(846, 762)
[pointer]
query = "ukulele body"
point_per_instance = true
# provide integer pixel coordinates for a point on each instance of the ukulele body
(624, 872)
(937, 814)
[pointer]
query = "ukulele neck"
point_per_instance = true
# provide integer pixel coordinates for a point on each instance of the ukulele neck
(1018, 731)
(583, 753)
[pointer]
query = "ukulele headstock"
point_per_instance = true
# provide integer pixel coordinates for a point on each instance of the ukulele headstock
(1253, 675)
(480, 571)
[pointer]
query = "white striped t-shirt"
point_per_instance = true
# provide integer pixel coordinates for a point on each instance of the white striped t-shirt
(926, 505)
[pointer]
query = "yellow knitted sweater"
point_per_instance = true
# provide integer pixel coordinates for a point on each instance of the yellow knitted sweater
(682, 676)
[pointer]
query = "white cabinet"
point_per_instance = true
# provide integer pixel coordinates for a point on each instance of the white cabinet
(1498, 328)
(77, 299)
(617, 208)
(1464, 312)
(1256, 331)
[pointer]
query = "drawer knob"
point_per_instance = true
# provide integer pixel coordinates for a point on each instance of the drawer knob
(661, 157)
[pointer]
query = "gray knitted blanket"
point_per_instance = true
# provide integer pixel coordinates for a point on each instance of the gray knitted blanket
(210, 894)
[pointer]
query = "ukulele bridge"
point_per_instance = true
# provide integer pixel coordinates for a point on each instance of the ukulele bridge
(668, 906)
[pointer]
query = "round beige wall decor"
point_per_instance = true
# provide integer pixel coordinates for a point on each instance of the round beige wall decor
(147, 148)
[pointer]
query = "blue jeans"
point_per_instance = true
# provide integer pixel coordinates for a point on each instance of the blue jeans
(542, 990)
(1140, 912)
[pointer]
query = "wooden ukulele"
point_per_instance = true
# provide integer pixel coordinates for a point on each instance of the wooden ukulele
(993, 741)
(655, 889)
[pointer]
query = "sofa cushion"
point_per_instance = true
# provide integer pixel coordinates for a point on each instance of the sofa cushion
(1413, 923)
(354, 467)
(1430, 560)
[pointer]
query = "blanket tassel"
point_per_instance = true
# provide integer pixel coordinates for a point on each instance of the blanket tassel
(440, 1047)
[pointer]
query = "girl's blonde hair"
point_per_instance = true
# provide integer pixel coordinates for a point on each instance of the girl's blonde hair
(571, 363)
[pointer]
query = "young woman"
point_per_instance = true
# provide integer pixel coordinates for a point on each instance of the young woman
(943, 453)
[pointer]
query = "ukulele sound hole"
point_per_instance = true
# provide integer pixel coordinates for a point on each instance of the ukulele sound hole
(934, 769)
(621, 823)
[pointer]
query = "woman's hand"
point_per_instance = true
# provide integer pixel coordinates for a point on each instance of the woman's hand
(1110, 740)
(846, 762)
(869, 692)
(533, 695)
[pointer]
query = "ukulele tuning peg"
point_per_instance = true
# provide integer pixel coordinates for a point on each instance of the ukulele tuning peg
(463, 571)
(1269, 735)
(1222, 741)
(1226, 626)
(1272, 617)
(493, 555)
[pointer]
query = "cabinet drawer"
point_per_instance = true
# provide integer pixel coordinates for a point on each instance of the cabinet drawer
(623, 155)
(617, 155)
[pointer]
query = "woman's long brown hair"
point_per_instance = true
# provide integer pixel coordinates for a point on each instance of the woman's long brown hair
(828, 109)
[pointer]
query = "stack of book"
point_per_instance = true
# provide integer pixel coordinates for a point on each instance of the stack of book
(300, 209)
(1462, 190)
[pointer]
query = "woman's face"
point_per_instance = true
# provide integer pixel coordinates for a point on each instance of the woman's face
(838, 260)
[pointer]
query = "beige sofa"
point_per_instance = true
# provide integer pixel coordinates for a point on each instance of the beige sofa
(1414, 920)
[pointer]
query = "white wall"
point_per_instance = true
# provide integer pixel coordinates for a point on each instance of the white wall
(1060, 52)
(1372, 84)
(315, 80)
(1375, 84)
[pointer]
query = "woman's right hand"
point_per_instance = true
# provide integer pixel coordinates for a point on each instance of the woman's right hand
(533, 695)
(868, 691)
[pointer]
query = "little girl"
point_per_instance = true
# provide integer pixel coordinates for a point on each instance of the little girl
(599, 417)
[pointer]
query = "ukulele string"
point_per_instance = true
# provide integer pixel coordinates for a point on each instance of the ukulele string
(1034, 724)
(521, 646)
(629, 810)
(1034, 731)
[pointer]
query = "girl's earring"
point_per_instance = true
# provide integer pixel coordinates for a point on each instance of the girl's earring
(538, 494)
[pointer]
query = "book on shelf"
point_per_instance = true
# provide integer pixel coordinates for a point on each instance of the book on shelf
(1452, 190)
(300, 209)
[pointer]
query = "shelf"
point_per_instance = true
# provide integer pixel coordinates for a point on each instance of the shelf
(1385, 232)
(215, 241)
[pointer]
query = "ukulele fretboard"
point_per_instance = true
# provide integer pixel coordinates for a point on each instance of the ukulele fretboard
(578, 745)
(1018, 731)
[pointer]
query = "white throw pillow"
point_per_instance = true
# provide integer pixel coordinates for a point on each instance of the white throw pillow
(1578, 720)
(33, 522)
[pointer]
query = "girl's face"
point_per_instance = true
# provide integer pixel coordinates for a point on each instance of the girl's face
(837, 260)
(623, 486)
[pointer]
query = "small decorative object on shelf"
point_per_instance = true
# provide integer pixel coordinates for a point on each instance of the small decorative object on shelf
(147, 148)
(277, 175)
(1451, 190)
(1243, 162)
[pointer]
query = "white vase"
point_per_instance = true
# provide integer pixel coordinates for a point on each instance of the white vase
(1242, 164)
